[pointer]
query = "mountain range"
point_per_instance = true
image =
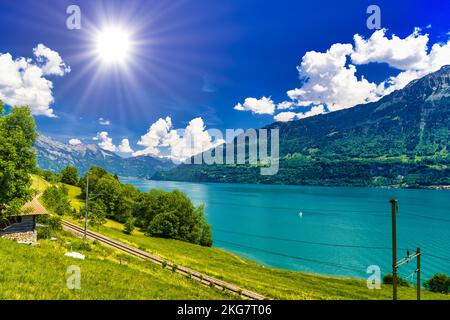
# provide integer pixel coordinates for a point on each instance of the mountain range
(55, 155)
(400, 140)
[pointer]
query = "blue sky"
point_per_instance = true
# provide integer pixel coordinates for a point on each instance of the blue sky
(193, 58)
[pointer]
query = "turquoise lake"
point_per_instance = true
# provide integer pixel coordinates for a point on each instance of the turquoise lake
(326, 230)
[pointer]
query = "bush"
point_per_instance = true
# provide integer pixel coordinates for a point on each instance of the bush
(438, 283)
(129, 226)
(389, 279)
(80, 245)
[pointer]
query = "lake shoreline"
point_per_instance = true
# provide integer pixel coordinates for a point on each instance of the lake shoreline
(405, 187)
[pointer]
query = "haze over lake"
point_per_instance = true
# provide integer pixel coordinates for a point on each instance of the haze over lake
(326, 230)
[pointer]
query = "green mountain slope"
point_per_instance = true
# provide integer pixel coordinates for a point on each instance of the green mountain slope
(401, 140)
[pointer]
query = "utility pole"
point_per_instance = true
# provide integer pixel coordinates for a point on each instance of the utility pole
(87, 206)
(394, 204)
(418, 273)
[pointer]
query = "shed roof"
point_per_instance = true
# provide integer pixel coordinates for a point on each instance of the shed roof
(33, 208)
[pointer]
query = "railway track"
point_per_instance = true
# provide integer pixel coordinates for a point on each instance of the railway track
(195, 275)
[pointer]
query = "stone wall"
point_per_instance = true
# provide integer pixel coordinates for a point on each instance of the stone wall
(30, 236)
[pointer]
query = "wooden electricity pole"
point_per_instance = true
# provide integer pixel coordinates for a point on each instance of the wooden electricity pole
(396, 264)
(394, 205)
(87, 206)
(418, 273)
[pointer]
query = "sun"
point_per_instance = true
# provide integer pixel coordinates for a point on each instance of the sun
(113, 45)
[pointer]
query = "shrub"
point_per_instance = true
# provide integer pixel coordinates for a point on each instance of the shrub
(438, 283)
(129, 226)
(80, 245)
(389, 279)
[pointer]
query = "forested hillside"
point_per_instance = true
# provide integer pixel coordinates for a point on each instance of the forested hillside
(400, 140)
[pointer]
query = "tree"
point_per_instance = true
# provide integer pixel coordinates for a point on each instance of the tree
(17, 159)
(95, 173)
(56, 200)
(438, 283)
(129, 225)
(389, 279)
(172, 215)
(69, 175)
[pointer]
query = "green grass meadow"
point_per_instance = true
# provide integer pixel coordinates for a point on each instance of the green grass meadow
(271, 282)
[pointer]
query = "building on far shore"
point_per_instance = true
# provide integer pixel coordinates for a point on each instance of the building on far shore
(22, 228)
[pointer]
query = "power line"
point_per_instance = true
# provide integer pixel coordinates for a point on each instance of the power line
(437, 257)
(331, 264)
(336, 245)
(378, 213)
(424, 217)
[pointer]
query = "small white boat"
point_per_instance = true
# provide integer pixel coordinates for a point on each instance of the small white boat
(300, 214)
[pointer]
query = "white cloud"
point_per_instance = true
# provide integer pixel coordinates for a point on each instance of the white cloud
(289, 115)
(316, 110)
(257, 106)
(156, 136)
(74, 142)
(162, 140)
(403, 54)
(52, 63)
(285, 116)
(285, 105)
(329, 78)
(194, 140)
(124, 146)
(105, 141)
(22, 81)
(104, 122)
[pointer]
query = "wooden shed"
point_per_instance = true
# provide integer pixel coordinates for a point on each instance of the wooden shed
(22, 228)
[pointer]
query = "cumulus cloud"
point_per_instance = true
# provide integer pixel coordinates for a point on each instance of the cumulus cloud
(285, 116)
(124, 146)
(104, 122)
(162, 140)
(289, 115)
(330, 81)
(74, 142)
(105, 142)
(23, 81)
(157, 135)
(257, 106)
(51, 62)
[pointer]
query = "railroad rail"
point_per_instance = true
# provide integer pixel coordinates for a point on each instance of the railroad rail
(195, 275)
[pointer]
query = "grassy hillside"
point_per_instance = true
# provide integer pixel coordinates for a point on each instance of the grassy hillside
(38, 183)
(274, 283)
(105, 274)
